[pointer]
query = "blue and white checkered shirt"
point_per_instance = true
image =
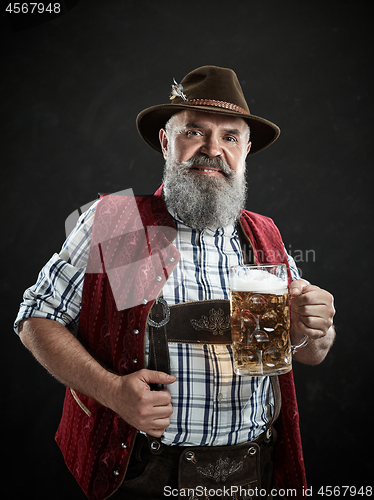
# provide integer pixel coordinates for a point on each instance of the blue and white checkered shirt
(212, 405)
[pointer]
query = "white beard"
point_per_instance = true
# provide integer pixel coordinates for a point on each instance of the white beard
(203, 201)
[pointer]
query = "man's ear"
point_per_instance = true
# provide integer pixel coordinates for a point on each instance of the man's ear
(249, 145)
(163, 141)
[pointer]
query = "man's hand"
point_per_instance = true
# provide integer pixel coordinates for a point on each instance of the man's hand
(146, 410)
(130, 396)
(312, 313)
(312, 309)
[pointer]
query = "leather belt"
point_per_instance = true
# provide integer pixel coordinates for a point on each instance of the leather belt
(200, 322)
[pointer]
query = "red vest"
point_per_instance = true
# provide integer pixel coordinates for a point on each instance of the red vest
(131, 256)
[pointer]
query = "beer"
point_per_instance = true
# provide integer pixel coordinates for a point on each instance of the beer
(260, 321)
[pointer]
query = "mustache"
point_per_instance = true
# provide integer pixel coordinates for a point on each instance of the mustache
(205, 161)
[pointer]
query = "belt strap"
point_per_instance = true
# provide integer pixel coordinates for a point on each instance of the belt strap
(158, 344)
(200, 322)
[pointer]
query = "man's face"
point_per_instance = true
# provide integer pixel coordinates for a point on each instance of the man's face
(204, 176)
(207, 134)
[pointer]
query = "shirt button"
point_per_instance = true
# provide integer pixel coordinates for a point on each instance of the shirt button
(171, 259)
(220, 397)
(144, 302)
(215, 442)
(159, 278)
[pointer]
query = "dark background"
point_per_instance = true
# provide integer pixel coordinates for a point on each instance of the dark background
(70, 93)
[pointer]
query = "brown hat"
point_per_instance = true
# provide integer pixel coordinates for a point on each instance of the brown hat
(213, 90)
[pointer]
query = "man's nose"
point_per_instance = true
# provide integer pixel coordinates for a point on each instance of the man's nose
(211, 146)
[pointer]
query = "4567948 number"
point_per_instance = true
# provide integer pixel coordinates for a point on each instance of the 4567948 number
(33, 8)
(345, 491)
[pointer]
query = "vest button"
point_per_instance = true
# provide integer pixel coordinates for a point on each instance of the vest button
(136, 331)
(116, 472)
(124, 445)
(135, 361)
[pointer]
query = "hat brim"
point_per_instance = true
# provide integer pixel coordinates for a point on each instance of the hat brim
(151, 120)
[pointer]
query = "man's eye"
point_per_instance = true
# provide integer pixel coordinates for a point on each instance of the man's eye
(194, 133)
(230, 138)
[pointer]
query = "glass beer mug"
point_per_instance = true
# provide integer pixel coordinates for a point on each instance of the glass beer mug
(260, 320)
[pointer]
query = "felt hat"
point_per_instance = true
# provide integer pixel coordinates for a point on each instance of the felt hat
(212, 90)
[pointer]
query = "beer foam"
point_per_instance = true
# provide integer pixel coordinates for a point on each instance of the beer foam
(259, 281)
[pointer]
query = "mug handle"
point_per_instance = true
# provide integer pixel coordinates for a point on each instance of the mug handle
(303, 343)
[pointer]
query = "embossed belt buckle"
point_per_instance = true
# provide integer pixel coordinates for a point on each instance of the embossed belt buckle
(164, 321)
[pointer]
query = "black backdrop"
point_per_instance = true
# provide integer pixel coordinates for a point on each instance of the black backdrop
(70, 93)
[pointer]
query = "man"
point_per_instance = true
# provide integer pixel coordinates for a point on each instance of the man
(153, 408)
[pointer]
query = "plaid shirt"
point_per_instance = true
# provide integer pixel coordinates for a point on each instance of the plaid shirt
(212, 405)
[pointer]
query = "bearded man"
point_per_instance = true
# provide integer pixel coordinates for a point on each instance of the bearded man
(153, 407)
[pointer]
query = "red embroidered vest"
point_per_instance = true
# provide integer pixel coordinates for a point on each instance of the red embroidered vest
(131, 257)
